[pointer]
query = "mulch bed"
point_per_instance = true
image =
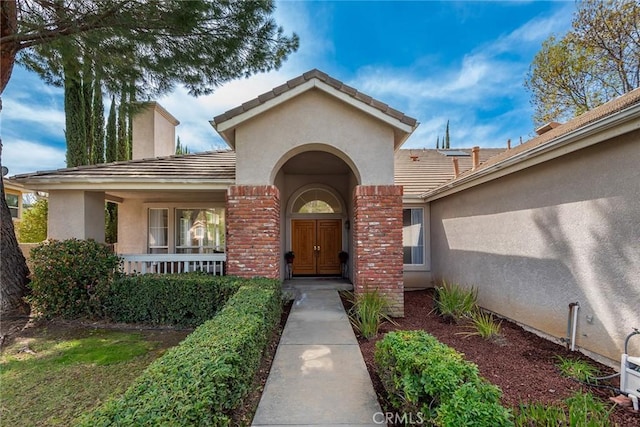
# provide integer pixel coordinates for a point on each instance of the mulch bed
(522, 364)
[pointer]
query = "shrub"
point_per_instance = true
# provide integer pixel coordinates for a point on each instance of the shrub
(173, 299)
(70, 278)
(33, 226)
(421, 374)
(368, 312)
(202, 380)
(454, 302)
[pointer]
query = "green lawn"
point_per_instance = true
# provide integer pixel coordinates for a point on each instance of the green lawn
(51, 378)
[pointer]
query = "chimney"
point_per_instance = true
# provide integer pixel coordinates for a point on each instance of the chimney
(456, 168)
(154, 132)
(546, 128)
(475, 157)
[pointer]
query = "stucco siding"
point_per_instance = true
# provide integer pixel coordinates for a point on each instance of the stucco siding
(132, 227)
(76, 214)
(564, 231)
(314, 119)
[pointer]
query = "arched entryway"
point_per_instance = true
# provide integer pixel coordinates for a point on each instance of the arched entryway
(317, 216)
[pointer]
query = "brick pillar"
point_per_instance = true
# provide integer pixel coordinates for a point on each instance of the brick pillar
(377, 238)
(253, 231)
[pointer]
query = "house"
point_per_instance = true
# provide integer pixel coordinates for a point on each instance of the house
(316, 167)
(13, 193)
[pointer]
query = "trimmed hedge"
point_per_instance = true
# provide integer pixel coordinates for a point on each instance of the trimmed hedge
(173, 299)
(202, 380)
(421, 374)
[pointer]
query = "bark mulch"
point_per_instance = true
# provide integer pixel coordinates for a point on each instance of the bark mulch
(521, 363)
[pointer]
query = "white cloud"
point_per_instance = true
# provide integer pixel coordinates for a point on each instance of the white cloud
(23, 156)
(40, 115)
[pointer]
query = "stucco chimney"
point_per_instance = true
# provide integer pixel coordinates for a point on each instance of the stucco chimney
(475, 157)
(154, 132)
(456, 168)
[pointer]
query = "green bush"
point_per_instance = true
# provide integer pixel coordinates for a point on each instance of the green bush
(33, 225)
(70, 278)
(421, 374)
(172, 299)
(453, 302)
(202, 380)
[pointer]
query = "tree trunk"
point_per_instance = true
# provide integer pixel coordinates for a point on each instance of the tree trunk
(13, 267)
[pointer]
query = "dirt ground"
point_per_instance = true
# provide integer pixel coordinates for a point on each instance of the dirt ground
(522, 364)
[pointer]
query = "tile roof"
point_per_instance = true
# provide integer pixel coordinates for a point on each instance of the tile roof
(431, 169)
(213, 165)
(325, 78)
(605, 110)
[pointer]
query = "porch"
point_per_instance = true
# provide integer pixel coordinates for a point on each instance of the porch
(174, 263)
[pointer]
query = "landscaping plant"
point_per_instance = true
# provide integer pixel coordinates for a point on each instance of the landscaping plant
(577, 369)
(453, 302)
(368, 311)
(484, 325)
(71, 277)
(578, 410)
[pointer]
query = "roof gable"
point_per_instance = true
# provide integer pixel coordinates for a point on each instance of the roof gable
(226, 123)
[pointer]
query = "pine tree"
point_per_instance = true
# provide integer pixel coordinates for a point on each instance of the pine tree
(111, 152)
(446, 137)
(438, 143)
(87, 102)
(97, 127)
(180, 149)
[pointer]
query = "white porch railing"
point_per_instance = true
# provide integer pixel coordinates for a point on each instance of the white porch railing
(173, 263)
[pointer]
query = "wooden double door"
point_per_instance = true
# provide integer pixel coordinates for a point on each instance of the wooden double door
(316, 244)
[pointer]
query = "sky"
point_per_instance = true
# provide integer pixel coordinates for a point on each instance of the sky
(458, 61)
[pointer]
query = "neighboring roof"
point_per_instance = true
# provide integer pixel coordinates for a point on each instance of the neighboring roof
(608, 115)
(214, 166)
(432, 168)
(225, 123)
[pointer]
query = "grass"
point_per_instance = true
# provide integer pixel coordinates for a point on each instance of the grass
(578, 410)
(52, 379)
(368, 312)
(577, 369)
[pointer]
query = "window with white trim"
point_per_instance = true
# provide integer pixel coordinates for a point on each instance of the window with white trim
(199, 231)
(158, 231)
(13, 203)
(413, 236)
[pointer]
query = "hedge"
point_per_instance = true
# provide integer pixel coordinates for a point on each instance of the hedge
(203, 379)
(423, 375)
(172, 299)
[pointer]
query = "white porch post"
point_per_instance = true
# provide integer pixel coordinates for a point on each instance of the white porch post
(76, 214)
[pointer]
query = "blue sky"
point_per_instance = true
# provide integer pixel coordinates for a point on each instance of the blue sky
(436, 61)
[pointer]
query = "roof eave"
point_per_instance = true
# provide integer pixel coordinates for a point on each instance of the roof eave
(226, 128)
(150, 184)
(609, 127)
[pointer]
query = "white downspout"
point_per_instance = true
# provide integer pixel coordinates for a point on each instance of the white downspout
(574, 325)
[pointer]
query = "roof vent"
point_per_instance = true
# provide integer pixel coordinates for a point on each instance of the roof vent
(546, 128)
(454, 153)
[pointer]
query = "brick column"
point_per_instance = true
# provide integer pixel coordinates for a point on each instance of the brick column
(253, 231)
(377, 238)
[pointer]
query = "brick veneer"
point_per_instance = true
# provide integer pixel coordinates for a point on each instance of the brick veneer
(377, 238)
(253, 231)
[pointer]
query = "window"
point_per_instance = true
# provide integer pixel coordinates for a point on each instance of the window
(12, 201)
(199, 231)
(413, 236)
(316, 200)
(158, 231)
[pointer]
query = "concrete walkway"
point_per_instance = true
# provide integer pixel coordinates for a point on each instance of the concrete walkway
(318, 376)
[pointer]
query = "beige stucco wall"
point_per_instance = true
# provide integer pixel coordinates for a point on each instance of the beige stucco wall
(76, 214)
(565, 231)
(154, 132)
(314, 120)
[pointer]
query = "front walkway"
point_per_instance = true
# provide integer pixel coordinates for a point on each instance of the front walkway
(318, 376)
